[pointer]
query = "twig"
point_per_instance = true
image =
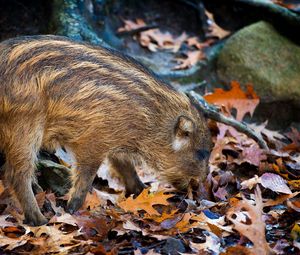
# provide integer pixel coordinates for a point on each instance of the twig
(189, 87)
(214, 114)
(137, 30)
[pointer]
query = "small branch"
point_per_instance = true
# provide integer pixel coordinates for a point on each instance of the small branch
(189, 87)
(137, 30)
(214, 114)
(51, 164)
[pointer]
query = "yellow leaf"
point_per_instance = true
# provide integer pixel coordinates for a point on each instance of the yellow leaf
(145, 201)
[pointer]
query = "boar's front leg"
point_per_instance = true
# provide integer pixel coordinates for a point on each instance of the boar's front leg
(83, 177)
(20, 152)
(121, 161)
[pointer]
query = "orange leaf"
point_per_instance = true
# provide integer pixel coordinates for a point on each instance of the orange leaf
(243, 102)
(92, 200)
(237, 250)
(163, 217)
(145, 201)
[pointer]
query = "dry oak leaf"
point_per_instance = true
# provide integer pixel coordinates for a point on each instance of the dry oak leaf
(280, 199)
(255, 231)
(49, 239)
(131, 25)
(164, 216)
(145, 201)
(193, 57)
(92, 201)
(294, 135)
(271, 136)
(243, 102)
(155, 39)
(46, 239)
(194, 42)
(252, 154)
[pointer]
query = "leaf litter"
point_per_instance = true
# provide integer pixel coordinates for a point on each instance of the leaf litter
(256, 209)
(188, 50)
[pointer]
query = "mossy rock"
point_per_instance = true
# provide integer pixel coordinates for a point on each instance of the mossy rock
(259, 55)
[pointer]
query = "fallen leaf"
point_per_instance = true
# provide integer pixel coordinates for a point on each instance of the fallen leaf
(92, 201)
(280, 199)
(275, 182)
(145, 201)
(294, 135)
(194, 42)
(255, 231)
(193, 57)
(155, 39)
(237, 250)
(270, 181)
(131, 25)
(243, 102)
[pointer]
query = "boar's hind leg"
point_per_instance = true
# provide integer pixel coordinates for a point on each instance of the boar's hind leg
(20, 152)
(121, 162)
(83, 177)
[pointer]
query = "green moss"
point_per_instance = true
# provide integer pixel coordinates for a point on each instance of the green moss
(258, 54)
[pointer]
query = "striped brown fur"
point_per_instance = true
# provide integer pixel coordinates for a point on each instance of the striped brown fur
(99, 104)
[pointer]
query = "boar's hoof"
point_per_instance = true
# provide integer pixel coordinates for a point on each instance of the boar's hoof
(35, 219)
(74, 204)
(136, 189)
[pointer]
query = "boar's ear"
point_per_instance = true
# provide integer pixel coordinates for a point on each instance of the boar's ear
(183, 129)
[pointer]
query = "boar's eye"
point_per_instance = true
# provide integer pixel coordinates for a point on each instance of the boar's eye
(202, 154)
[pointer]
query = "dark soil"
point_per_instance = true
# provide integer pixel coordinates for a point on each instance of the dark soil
(23, 17)
(175, 17)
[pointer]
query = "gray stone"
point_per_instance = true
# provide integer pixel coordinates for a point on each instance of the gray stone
(258, 54)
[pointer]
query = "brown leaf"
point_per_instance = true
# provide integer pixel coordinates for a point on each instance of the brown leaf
(154, 39)
(131, 25)
(255, 231)
(294, 135)
(252, 154)
(194, 42)
(280, 199)
(193, 57)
